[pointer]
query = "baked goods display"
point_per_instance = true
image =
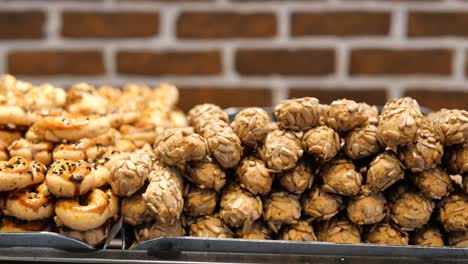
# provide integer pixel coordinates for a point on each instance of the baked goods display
(338, 173)
(72, 161)
(68, 157)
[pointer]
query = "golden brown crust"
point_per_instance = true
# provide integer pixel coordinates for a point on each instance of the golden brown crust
(164, 194)
(453, 212)
(388, 235)
(16, 115)
(199, 202)
(134, 210)
(72, 178)
(338, 230)
(411, 210)
(99, 207)
(84, 149)
(129, 173)
(70, 127)
(40, 150)
(257, 231)
(301, 231)
(30, 204)
(367, 209)
(240, 207)
(210, 226)
(82, 98)
(340, 177)
(254, 175)
(19, 172)
(281, 208)
(429, 236)
(281, 150)
(320, 205)
(299, 114)
(8, 137)
(207, 175)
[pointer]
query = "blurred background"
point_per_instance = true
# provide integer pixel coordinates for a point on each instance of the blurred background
(245, 53)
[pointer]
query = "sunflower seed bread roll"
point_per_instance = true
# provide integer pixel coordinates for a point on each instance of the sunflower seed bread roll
(281, 150)
(251, 126)
(399, 122)
(298, 114)
(164, 194)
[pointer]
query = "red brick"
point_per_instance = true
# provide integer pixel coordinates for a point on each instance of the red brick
(56, 62)
(169, 62)
(430, 24)
(343, 24)
(401, 62)
(374, 96)
(109, 25)
(296, 62)
(22, 25)
(439, 97)
(214, 25)
(224, 96)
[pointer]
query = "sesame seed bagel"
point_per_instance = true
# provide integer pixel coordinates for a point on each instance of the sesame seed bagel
(19, 172)
(70, 127)
(67, 178)
(30, 204)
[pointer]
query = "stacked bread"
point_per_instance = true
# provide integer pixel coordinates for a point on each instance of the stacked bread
(338, 173)
(66, 155)
(72, 161)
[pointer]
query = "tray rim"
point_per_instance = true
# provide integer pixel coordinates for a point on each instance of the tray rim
(236, 245)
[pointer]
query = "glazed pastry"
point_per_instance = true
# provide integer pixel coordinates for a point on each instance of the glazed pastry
(98, 207)
(40, 151)
(30, 204)
(18, 173)
(72, 128)
(66, 178)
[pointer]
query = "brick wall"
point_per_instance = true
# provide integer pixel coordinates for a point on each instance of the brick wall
(241, 53)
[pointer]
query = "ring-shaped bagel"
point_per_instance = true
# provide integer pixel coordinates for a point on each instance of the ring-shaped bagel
(95, 211)
(67, 178)
(70, 127)
(16, 115)
(84, 149)
(18, 173)
(30, 204)
(40, 151)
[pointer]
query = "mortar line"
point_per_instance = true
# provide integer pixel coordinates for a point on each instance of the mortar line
(458, 65)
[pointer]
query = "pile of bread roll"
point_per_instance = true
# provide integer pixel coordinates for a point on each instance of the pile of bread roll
(73, 161)
(339, 173)
(61, 152)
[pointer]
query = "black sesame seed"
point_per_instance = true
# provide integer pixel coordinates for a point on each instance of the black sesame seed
(76, 178)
